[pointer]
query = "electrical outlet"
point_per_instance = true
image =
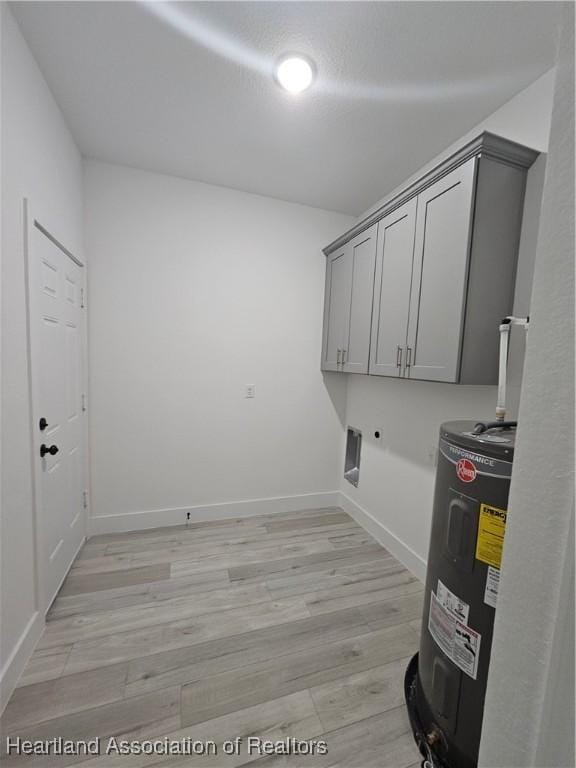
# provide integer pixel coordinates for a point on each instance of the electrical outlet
(250, 390)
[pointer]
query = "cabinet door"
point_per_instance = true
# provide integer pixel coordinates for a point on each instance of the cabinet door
(362, 255)
(336, 308)
(392, 290)
(441, 255)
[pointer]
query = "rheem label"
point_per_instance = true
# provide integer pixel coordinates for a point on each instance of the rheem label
(466, 470)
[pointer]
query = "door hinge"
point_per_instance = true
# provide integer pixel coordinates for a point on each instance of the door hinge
(83, 403)
(85, 499)
(81, 298)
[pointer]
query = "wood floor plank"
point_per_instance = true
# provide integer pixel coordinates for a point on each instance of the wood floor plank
(395, 610)
(316, 540)
(184, 538)
(333, 576)
(45, 664)
(167, 533)
(138, 594)
(274, 720)
(229, 524)
(180, 550)
(153, 714)
(193, 584)
(38, 702)
(77, 582)
(361, 695)
(123, 646)
(377, 590)
(246, 686)
(417, 627)
(89, 625)
(91, 550)
(308, 521)
(195, 540)
(306, 563)
(382, 741)
(272, 554)
(350, 539)
(192, 663)
(200, 559)
(288, 716)
(101, 600)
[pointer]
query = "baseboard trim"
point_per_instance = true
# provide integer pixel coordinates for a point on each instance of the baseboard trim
(400, 550)
(156, 518)
(19, 657)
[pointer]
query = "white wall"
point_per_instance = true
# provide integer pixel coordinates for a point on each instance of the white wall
(39, 161)
(529, 712)
(196, 290)
(394, 497)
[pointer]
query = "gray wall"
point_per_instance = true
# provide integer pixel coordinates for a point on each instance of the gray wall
(39, 161)
(220, 289)
(529, 712)
(401, 465)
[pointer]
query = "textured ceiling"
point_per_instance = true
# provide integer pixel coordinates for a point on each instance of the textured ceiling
(186, 88)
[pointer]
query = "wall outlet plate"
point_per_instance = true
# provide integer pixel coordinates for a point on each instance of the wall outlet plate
(250, 390)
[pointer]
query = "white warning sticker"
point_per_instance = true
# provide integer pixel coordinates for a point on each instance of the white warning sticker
(492, 584)
(453, 604)
(466, 649)
(458, 641)
(441, 625)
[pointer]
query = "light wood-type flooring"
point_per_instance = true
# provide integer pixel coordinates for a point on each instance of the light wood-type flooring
(289, 625)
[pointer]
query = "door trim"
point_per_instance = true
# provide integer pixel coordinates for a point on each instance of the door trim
(30, 225)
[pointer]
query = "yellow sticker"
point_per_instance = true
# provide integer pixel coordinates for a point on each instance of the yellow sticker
(491, 530)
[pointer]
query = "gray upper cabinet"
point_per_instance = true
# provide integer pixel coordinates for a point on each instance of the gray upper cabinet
(348, 305)
(445, 268)
(437, 299)
(336, 306)
(392, 290)
(362, 255)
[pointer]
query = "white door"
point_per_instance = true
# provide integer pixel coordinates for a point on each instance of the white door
(337, 307)
(56, 325)
(362, 255)
(392, 290)
(441, 256)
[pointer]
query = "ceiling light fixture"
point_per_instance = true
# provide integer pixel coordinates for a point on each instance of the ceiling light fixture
(294, 73)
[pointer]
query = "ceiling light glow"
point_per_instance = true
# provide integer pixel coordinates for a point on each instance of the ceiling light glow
(294, 73)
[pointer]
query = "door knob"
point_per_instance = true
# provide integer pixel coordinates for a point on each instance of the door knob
(42, 424)
(53, 450)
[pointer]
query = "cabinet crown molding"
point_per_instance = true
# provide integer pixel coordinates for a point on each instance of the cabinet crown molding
(486, 144)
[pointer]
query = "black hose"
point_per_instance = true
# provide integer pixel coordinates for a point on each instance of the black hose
(482, 427)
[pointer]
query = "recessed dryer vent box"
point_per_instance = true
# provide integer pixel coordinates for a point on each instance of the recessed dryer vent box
(352, 460)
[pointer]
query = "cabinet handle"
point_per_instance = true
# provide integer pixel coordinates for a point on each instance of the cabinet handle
(343, 356)
(408, 357)
(398, 357)
(338, 357)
